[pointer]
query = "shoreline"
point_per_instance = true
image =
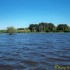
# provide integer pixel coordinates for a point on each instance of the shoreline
(36, 32)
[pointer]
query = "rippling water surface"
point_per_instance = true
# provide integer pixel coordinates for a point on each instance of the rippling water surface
(34, 51)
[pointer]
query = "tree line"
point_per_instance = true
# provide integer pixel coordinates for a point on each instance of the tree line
(12, 30)
(49, 27)
(41, 27)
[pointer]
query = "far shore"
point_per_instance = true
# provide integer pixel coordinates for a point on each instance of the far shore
(36, 32)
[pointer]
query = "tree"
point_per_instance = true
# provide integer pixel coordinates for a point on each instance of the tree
(20, 28)
(51, 27)
(48, 27)
(11, 30)
(63, 28)
(42, 26)
(33, 27)
(46, 30)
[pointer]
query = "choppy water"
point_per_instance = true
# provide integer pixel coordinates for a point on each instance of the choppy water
(34, 51)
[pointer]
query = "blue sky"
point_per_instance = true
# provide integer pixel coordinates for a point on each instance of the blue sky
(21, 13)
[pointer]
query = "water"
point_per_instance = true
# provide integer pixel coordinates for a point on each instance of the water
(34, 51)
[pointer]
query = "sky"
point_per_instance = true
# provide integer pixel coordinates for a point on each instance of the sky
(22, 13)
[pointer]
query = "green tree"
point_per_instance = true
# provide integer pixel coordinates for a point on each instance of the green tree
(42, 26)
(63, 28)
(46, 30)
(48, 27)
(51, 27)
(33, 27)
(11, 30)
(20, 28)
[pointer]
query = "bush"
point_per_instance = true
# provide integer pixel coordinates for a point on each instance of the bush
(11, 30)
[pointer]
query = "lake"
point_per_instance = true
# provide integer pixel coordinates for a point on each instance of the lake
(34, 51)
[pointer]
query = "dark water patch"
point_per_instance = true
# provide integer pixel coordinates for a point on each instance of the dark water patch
(68, 57)
(58, 59)
(9, 59)
(5, 67)
(30, 62)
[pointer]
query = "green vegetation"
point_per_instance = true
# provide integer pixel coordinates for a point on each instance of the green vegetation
(23, 30)
(2, 31)
(49, 27)
(11, 30)
(41, 27)
(63, 28)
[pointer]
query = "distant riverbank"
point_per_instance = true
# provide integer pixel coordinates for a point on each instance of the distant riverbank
(38, 28)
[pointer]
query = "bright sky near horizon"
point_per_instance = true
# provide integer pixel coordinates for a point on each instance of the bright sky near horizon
(21, 13)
